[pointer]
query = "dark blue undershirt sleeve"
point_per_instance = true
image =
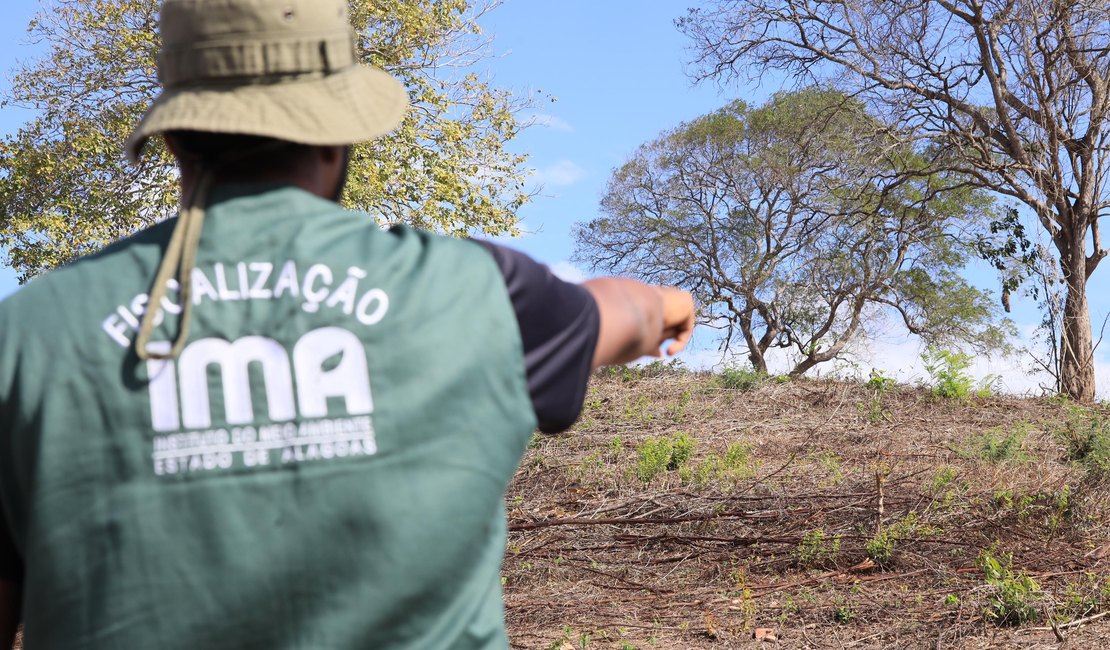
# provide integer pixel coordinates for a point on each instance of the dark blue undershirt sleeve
(559, 324)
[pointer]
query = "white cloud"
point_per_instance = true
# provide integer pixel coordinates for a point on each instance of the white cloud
(560, 174)
(568, 272)
(549, 122)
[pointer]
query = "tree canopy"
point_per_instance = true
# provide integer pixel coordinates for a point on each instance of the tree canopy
(1013, 94)
(799, 226)
(66, 188)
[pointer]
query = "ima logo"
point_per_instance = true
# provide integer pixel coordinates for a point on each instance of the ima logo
(179, 391)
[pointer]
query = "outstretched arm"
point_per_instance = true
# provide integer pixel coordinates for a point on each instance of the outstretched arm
(637, 318)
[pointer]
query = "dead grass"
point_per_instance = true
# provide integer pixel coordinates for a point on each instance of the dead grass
(857, 522)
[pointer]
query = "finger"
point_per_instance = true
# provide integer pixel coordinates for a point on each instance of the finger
(676, 346)
(681, 339)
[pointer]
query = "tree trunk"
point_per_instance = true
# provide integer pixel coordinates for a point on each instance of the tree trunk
(756, 349)
(802, 368)
(1077, 367)
(758, 361)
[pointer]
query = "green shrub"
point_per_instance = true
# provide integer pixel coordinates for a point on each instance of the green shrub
(881, 547)
(652, 458)
(943, 477)
(677, 410)
(832, 465)
(998, 445)
(736, 464)
(707, 470)
(738, 459)
(948, 371)
(682, 449)
(880, 383)
(1084, 595)
(1085, 436)
(639, 409)
(743, 379)
(817, 549)
(657, 455)
(872, 410)
(631, 373)
(1015, 594)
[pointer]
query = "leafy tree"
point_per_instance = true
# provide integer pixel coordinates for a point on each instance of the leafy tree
(1014, 93)
(797, 225)
(66, 189)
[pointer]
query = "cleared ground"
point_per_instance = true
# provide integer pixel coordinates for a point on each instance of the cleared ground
(681, 513)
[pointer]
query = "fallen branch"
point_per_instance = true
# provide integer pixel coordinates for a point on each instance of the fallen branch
(1070, 624)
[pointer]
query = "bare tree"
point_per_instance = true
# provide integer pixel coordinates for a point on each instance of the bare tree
(1014, 92)
(794, 228)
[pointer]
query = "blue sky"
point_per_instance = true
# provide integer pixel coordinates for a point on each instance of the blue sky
(617, 70)
(13, 48)
(615, 67)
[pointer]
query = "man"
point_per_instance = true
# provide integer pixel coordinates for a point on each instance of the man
(268, 423)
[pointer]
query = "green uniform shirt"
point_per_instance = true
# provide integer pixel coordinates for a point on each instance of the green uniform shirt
(322, 466)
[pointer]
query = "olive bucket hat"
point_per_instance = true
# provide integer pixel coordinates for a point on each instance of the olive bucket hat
(287, 70)
(284, 69)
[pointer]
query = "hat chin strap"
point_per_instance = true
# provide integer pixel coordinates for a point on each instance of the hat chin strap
(181, 253)
(180, 256)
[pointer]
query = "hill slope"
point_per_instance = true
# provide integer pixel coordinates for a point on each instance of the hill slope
(683, 514)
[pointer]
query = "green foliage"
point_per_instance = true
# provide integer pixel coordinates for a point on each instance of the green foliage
(1084, 596)
(709, 205)
(882, 545)
(738, 457)
(1020, 504)
(817, 549)
(880, 383)
(587, 467)
(743, 599)
(1000, 445)
(943, 477)
(682, 449)
(737, 464)
(842, 614)
(872, 410)
(636, 372)
(623, 373)
(999, 124)
(740, 378)
(677, 410)
(657, 455)
(638, 409)
(1060, 509)
(65, 188)
(948, 371)
(1015, 595)
(880, 548)
(832, 465)
(950, 377)
(1085, 435)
